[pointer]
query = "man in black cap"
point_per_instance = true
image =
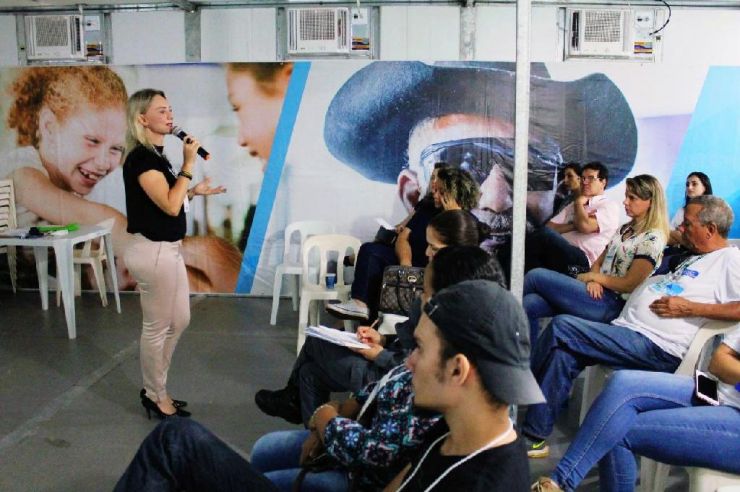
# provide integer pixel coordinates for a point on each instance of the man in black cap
(391, 121)
(470, 364)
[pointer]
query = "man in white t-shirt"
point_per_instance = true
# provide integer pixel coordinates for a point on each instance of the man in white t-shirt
(656, 326)
(579, 233)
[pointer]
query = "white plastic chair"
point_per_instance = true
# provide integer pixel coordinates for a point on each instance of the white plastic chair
(291, 264)
(706, 480)
(314, 289)
(8, 221)
(95, 258)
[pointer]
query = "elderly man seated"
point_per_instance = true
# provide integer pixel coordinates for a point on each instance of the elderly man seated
(655, 327)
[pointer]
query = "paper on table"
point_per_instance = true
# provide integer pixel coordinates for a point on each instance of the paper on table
(384, 224)
(19, 233)
(336, 337)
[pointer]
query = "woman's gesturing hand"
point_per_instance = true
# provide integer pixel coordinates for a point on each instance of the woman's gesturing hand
(204, 188)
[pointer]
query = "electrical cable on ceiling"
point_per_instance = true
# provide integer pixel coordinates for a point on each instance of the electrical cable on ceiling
(666, 21)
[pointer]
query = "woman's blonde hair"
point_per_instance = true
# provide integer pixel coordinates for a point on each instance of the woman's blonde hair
(63, 90)
(647, 187)
(138, 104)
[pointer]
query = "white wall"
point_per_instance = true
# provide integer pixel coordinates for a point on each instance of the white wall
(238, 35)
(710, 36)
(419, 33)
(496, 34)
(148, 37)
(694, 36)
(8, 43)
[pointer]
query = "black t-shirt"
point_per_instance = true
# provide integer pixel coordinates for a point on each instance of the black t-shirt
(144, 216)
(503, 468)
(423, 214)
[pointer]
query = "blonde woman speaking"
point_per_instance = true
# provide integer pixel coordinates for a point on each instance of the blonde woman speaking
(157, 198)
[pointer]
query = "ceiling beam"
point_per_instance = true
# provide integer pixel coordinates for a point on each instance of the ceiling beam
(190, 6)
(185, 5)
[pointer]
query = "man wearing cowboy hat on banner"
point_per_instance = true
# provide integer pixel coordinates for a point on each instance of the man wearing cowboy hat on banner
(392, 121)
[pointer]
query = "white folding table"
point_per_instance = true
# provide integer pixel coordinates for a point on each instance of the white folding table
(63, 246)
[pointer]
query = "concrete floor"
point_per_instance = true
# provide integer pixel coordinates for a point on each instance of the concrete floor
(70, 417)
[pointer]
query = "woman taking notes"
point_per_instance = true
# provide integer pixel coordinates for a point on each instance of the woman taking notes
(156, 201)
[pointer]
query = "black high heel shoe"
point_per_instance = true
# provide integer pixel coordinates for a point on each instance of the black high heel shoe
(175, 403)
(150, 407)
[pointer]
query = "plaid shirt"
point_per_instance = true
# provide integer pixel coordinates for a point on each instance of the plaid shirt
(376, 454)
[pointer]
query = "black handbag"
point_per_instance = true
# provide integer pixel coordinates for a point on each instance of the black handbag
(401, 285)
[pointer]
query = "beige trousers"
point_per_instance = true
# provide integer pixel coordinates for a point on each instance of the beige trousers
(159, 270)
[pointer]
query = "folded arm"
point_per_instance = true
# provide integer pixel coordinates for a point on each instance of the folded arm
(679, 307)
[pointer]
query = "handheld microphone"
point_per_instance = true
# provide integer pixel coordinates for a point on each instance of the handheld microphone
(181, 134)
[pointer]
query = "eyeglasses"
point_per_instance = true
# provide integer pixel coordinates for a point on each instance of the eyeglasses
(479, 155)
(588, 179)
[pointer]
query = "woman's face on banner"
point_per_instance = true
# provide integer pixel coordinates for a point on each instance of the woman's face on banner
(257, 111)
(83, 148)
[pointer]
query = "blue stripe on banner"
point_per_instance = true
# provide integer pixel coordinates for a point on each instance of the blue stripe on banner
(711, 142)
(271, 180)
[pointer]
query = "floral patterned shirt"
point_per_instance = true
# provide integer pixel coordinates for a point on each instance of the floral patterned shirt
(376, 453)
(625, 247)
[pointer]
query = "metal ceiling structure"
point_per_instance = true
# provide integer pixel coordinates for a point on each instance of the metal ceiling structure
(24, 6)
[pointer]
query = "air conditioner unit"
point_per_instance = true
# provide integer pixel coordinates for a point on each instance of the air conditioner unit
(318, 30)
(55, 37)
(613, 33)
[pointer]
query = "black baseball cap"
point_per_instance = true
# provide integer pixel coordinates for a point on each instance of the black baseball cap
(487, 324)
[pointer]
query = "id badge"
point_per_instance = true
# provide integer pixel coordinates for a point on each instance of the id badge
(667, 288)
(186, 204)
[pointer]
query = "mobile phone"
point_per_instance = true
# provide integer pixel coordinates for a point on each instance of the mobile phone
(706, 388)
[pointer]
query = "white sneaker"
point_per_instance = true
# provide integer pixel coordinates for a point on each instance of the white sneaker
(348, 310)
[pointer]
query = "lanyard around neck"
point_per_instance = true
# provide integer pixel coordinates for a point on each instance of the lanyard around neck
(374, 393)
(494, 442)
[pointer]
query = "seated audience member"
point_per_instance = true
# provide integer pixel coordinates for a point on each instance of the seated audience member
(636, 407)
(630, 257)
(453, 190)
(451, 376)
(578, 234)
(656, 325)
(323, 367)
(697, 184)
(569, 186)
(470, 364)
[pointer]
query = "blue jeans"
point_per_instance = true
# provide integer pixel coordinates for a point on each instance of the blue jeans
(654, 415)
(180, 454)
(545, 248)
(276, 455)
(567, 346)
(371, 260)
(547, 293)
(323, 367)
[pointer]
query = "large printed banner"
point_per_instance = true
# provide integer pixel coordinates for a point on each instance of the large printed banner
(348, 142)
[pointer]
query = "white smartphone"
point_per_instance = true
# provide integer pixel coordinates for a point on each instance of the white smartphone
(706, 388)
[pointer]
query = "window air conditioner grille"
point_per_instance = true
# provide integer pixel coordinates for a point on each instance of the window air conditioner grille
(602, 27)
(318, 25)
(52, 31)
